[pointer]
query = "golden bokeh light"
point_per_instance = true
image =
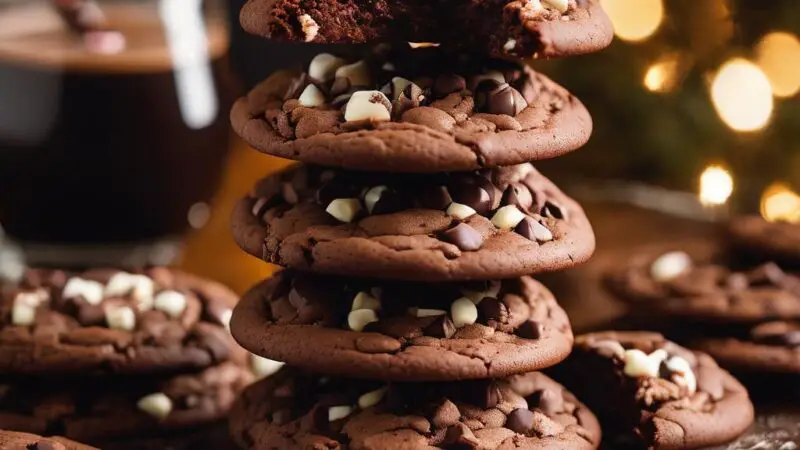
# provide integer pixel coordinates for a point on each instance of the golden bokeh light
(780, 203)
(778, 55)
(716, 185)
(634, 20)
(742, 95)
(662, 75)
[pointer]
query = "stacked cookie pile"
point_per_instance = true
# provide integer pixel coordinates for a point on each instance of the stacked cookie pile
(116, 359)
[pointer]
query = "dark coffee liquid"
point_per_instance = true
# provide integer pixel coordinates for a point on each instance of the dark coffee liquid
(97, 149)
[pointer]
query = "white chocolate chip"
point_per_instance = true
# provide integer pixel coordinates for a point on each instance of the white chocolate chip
(670, 265)
(23, 314)
(613, 346)
(91, 291)
(357, 73)
(344, 209)
(509, 45)
(264, 367)
(157, 405)
(225, 318)
(372, 196)
(658, 356)
(32, 299)
(541, 233)
(359, 319)
(311, 96)
(372, 398)
(423, 44)
(171, 302)
(639, 364)
(464, 312)
(559, 5)
(681, 368)
(422, 312)
(507, 217)
(368, 105)
(477, 296)
(339, 412)
(459, 211)
(139, 287)
(363, 300)
(324, 66)
(309, 26)
(120, 318)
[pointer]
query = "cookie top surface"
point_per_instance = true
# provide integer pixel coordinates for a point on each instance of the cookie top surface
(699, 283)
(772, 240)
(499, 223)
(770, 347)
(108, 409)
(403, 331)
(530, 411)
(404, 110)
(646, 389)
(108, 321)
(19, 440)
(546, 28)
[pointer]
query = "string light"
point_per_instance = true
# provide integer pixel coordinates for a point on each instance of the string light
(662, 74)
(780, 203)
(634, 20)
(778, 55)
(716, 185)
(742, 95)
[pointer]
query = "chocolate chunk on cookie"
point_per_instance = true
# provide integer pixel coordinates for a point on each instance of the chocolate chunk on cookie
(109, 321)
(771, 347)
(767, 240)
(698, 283)
(295, 410)
(27, 441)
(492, 224)
(412, 111)
(652, 393)
(403, 331)
(524, 28)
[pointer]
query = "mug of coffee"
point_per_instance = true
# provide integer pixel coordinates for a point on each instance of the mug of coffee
(113, 126)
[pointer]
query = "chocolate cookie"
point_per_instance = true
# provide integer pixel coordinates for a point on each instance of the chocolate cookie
(415, 111)
(651, 393)
(770, 240)
(699, 284)
(494, 224)
(770, 347)
(108, 409)
(529, 411)
(403, 331)
(539, 28)
(10, 440)
(104, 320)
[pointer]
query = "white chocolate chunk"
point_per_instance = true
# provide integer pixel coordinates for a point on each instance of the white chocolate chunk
(613, 346)
(357, 73)
(120, 318)
(344, 209)
(464, 312)
(658, 356)
(541, 233)
(91, 291)
(507, 217)
(32, 299)
(423, 312)
(670, 265)
(368, 105)
(339, 412)
(372, 398)
(171, 302)
(459, 211)
(225, 318)
(23, 314)
(364, 300)
(157, 405)
(509, 45)
(139, 287)
(309, 26)
(324, 66)
(681, 367)
(359, 319)
(264, 367)
(476, 296)
(559, 5)
(311, 96)
(639, 364)
(372, 196)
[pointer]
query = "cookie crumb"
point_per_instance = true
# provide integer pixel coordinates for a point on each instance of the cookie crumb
(309, 26)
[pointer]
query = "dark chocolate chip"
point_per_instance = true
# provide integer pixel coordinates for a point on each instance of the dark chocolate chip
(520, 421)
(297, 86)
(519, 195)
(531, 229)
(446, 414)
(498, 98)
(45, 445)
(769, 273)
(282, 416)
(443, 328)
(492, 309)
(530, 329)
(285, 390)
(552, 210)
(391, 201)
(213, 342)
(435, 197)
(335, 188)
(464, 237)
(90, 315)
(289, 194)
(548, 401)
(787, 339)
(474, 191)
(484, 394)
(447, 84)
(460, 437)
(340, 86)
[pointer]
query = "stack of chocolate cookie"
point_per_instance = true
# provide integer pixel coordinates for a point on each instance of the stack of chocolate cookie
(118, 360)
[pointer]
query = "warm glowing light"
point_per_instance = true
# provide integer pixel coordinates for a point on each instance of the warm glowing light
(779, 57)
(634, 20)
(661, 75)
(716, 185)
(780, 203)
(742, 95)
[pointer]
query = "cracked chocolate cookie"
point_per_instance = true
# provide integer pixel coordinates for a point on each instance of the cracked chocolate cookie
(109, 321)
(102, 411)
(651, 393)
(524, 28)
(418, 110)
(771, 347)
(17, 440)
(403, 331)
(768, 240)
(493, 224)
(528, 411)
(699, 284)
